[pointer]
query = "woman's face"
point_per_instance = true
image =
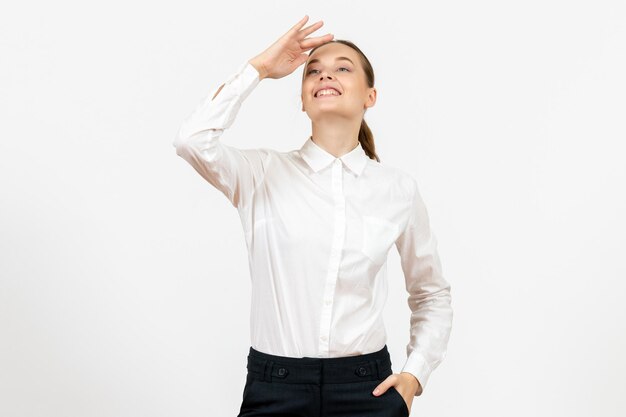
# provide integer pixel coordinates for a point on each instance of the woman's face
(339, 66)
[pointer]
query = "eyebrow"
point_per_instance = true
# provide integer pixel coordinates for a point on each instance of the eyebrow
(314, 60)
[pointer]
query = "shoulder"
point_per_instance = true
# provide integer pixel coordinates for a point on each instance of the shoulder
(264, 153)
(395, 177)
(259, 156)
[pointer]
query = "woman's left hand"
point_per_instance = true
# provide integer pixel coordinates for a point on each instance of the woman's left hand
(406, 384)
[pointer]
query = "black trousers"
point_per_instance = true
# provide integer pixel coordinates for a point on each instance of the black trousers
(279, 386)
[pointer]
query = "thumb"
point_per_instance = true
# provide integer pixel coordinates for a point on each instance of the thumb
(384, 386)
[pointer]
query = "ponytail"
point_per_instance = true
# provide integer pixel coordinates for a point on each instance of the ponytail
(367, 141)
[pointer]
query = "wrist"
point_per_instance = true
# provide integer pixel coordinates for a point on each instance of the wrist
(259, 67)
(416, 382)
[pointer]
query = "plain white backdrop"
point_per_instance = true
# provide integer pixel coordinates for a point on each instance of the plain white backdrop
(119, 263)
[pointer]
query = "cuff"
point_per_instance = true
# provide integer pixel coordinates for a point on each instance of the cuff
(236, 89)
(244, 79)
(417, 366)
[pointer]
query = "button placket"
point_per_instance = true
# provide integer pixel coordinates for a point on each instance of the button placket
(335, 256)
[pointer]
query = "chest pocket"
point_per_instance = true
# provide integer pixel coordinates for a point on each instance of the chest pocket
(379, 234)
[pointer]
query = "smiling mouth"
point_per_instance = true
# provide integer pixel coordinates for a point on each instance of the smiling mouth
(337, 94)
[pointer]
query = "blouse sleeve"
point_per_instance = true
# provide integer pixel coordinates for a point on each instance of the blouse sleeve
(235, 172)
(429, 294)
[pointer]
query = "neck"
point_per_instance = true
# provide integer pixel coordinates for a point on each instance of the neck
(336, 138)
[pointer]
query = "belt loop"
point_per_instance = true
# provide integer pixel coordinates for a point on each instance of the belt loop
(264, 368)
(267, 372)
(377, 363)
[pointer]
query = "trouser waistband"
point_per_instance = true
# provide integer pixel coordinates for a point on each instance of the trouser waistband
(309, 370)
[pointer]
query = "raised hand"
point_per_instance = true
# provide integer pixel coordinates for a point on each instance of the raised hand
(287, 53)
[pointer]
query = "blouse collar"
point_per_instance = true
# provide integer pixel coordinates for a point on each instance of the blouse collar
(318, 158)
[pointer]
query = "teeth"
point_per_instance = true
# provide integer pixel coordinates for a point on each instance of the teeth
(327, 92)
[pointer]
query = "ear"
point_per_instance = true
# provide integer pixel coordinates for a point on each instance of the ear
(371, 98)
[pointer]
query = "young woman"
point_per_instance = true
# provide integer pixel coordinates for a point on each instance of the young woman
(318, 223)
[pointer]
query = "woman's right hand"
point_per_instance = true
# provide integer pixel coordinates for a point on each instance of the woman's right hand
(287, 53)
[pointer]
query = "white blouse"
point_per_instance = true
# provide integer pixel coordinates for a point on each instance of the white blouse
(318, 230)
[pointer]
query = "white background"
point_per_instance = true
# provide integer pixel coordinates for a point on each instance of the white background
(118, 262)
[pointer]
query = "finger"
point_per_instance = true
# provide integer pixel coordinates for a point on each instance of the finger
(295, 28)
(383, 386)
(313, 42)
(310, 29)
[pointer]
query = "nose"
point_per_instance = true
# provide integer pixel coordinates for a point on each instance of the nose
(327, 76)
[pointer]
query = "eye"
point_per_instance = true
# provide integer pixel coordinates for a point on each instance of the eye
(347, 70)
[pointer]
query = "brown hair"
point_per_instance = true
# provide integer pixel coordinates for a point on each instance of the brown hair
(365, 134)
